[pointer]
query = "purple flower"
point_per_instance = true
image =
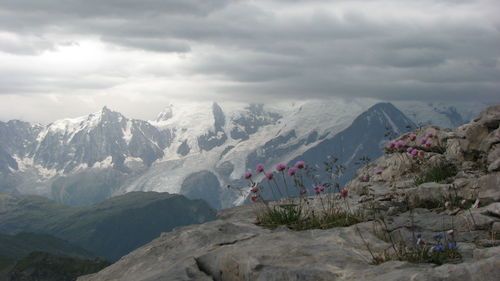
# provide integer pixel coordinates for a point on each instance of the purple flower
(300, 165)
(247, 175)
(318, 189)
(269, 176)
(259, 169)
(365, 178)
(452, 245)
(400, 144)
(414, 152)
(423, 140)
(428, 143)
(412, 137)
(390, 145)
(430, 134)
(292, 171)
(409, 149)
(280, 167)
(379, 172)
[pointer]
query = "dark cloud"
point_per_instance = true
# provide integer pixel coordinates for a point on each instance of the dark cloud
(440, 48)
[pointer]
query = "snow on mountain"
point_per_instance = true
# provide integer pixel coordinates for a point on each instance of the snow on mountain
(195, 143)
(444, 115)
(280, 132)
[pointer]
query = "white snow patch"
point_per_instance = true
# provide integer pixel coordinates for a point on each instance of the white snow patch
(106, 163)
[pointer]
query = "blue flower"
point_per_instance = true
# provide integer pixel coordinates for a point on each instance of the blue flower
(452, 245)
(438, 248)
(438, 236)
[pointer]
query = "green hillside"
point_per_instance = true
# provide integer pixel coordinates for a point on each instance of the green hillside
(110, 229)
(40, 266)
(22, 244)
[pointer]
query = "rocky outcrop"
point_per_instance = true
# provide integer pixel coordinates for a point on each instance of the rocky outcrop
(233, 248)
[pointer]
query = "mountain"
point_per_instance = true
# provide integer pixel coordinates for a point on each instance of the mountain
(85, 160)
(441, 114)
(364, 138)
(15, 247)
(21, 244)
(79, 161)
(41, 266)
(109, 229)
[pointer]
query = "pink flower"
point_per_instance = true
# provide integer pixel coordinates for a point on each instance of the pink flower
(400, 144)
(254, 197)
(390, 145)
(414, 152)
(280, 167)
(254, 190)
(365, 178)
(259, 169)
(292, 171)
(447, 204)
(300, 165)
(318, 189)
(412, 137)
(344, 192)
(269, 176)
(303, 191)
(430, 134)
(428, 144)
(379, 172)
(423, 140)
(247, 175)
(451, 232)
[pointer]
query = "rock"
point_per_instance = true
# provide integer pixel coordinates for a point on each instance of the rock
(495, 166)
(495, 228)
(489, 188)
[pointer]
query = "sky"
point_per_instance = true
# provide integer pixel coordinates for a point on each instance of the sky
(66, 58)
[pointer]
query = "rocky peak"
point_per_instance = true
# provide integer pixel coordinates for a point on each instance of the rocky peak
(166, 114)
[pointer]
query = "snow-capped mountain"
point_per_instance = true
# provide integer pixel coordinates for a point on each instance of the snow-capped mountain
(191, 148)
(444, 115)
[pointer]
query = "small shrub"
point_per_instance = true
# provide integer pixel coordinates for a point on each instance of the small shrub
(438, 173)
(288, 215)
(292, 216)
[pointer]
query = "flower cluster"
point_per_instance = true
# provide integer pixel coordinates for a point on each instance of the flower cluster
(318, 189)
(412, 145)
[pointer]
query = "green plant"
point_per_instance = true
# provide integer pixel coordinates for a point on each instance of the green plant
(288, 214)
(437, 173)
(293, 217)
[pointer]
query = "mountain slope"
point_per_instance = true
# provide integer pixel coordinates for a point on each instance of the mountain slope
(21, 244)
(109, 229)
(84, 160)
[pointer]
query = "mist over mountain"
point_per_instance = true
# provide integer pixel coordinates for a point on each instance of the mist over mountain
(197, 148)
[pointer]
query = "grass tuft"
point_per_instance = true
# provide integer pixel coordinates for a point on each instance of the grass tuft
(438, 173)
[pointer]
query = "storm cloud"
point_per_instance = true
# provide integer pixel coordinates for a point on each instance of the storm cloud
(249, 49)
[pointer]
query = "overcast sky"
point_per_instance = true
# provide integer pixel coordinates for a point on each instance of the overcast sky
(64, 58)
